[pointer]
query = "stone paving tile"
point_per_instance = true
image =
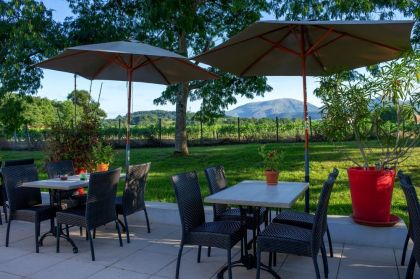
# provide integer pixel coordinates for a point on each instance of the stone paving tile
(29, 264)
(384, 256)
(10, 253)
(4, 275)
(68, 269)
(145, 262)
(117, 273)
(350, 268)
(205, 269)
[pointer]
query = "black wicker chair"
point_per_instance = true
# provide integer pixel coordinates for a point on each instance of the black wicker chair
(300, 219)
(195, 231)
(216, 181)
(25, 203)
(133, 197)
(414, 214)
(3, 194)
(99, 209)
(20, 162)
(284, 238)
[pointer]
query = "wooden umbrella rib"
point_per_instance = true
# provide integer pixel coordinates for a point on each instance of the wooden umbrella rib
(327, 43)
(361, 39)
(144, 63)
(102, 68)
(113, 60)
(64, 56)
(314, 52)
(157, 69)
(280, 47)
(318, 41)
(194, 66)
(242, 41)
(265, 53)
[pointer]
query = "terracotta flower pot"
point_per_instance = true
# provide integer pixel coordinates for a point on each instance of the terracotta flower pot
(371, 195)
(102, 167)
(272, 177)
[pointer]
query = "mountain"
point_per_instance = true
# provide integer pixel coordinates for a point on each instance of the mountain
(282, 108)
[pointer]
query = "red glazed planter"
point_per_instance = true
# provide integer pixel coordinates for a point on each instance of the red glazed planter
(371, 195)
(272, 177)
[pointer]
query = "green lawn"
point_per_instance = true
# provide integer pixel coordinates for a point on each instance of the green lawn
(242, 162)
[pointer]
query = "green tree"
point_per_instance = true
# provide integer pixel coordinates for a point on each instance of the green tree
(28, 34)
(12, 107)
(83, 99)
(187, 27)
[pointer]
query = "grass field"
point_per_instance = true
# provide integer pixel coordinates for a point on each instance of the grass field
(243, 162)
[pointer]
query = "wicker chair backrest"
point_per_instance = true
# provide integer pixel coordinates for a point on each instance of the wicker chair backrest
(100, 203)
(11, 163)
(216, 180)
(413, 211)
(135, 185)
(188, 196)
(21, 197)
(55, 169)
(320, 219)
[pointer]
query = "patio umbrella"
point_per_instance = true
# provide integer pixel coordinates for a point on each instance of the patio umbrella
(126, 61)
(309, 48)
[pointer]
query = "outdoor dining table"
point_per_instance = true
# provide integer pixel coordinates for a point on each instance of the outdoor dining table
(56, 186)
(257, 194)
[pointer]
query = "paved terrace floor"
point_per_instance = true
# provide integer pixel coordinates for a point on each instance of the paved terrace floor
(153, 255)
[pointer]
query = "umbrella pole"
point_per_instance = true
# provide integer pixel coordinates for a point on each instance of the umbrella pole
(305, 117)
(127, 138)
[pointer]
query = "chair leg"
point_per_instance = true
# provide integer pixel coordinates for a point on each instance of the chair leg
(8, 232)
(404, 252)
(37, 227)
(147, 220)
(330, 242)
(209, 251)
(315, 261)
(81, 231)
(94, 233)
(229, 252)
(410, 268)
(5, 212)
(259, 262)
(92, 251)
(119, 232)
(1, 222)
(324, 260)
(178, 261)
(127, 233)
(58, 231)
(67, 231)
(199, 254)
(87, 236)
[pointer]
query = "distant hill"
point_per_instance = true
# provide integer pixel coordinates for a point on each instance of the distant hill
(282, 108)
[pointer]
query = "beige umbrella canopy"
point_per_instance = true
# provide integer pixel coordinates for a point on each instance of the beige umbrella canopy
(302, 48)
(126, 61)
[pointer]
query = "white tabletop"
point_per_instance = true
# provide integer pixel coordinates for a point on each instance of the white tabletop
(73, 182)
(258, 193)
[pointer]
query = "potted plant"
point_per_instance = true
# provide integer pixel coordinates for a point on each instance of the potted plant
(272, 160)
(379, 111)
(103, 156)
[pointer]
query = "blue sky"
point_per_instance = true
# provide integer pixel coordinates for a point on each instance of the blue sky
(56, 85)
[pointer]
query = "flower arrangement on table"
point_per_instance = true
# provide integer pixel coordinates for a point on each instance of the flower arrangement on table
(272, 160)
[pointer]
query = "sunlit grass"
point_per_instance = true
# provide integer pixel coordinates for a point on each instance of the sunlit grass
(242, 162)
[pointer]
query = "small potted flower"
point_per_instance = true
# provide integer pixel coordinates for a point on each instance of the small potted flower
(103, 156)
(272, 160)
